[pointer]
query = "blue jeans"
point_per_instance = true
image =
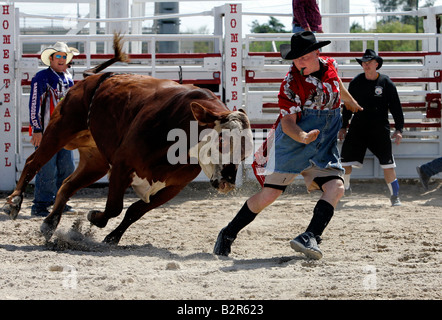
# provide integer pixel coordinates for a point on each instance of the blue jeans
(297, 28)
(433, 167)
(294, 157)
(50, 177)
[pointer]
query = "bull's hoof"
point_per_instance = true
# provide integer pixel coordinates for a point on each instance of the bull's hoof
(97, 218)
(12, 207)
(112, 239)
(9, 209)
(47, 229)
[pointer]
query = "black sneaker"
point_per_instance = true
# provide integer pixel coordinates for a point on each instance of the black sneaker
(68, 210)
(395, 202)
(223, 244)
(307, 244)
(423, 178)
(43, 212)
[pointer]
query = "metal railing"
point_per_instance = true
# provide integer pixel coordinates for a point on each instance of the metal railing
(419, 144)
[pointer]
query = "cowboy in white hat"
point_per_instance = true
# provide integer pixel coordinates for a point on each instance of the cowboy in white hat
(66, 54)
(48, 87)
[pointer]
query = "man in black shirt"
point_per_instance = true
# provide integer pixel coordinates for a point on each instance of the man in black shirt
(370, 128)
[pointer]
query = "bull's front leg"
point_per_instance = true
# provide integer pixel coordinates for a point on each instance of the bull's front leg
(120, 179)
(15, 199)
(54, 138)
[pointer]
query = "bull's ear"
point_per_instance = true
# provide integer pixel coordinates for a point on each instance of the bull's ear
(203, 115)
(242, 110)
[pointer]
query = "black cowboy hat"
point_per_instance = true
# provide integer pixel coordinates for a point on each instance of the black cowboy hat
(301, 43)
(371, 55)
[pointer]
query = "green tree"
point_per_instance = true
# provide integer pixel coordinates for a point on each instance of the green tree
(356, 45)
(405, 24)
(409, 5)
(387, 5)
(397, 45)
(401, 5)
(387, 45)
(273, 26)
(197, 46)
(405, 5)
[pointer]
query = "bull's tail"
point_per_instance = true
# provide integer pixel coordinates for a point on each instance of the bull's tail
(119, 56)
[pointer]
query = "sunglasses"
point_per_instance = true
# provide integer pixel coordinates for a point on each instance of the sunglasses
(59, 56)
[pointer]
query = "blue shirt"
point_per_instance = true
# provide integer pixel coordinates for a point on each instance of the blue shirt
(47, 89)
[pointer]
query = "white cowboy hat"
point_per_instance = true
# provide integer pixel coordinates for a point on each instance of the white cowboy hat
(58, 47)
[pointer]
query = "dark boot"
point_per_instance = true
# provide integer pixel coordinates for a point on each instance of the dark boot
(223, 244)
(228, 234)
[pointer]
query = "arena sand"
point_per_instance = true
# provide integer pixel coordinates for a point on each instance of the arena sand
(371, 250)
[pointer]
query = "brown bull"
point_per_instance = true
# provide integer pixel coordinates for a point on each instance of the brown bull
(121, 125)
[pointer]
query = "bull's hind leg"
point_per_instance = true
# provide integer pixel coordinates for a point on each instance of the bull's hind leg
(92, 167)
(139, 208)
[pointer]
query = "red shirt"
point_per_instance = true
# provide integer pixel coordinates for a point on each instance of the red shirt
(298, 92)
(306, 14)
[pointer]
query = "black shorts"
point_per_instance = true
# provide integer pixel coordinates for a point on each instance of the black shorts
(357, 142)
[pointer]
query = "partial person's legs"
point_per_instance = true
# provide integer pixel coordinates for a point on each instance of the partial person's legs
(347, 175)
(65, 167)
(380, 145)
(307, 242)
(245, 215)
(393, 185)
(45, 189)
(297, 28)
(429, 169)
(433, 167)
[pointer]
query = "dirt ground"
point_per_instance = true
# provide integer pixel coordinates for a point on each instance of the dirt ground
(371, 250)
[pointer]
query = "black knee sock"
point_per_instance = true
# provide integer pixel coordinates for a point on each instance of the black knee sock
(322, 214)
(242, 219)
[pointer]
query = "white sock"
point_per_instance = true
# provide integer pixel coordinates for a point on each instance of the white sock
(347, 181)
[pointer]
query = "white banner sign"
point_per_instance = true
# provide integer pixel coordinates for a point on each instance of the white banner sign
(233, 56)
(7, 95)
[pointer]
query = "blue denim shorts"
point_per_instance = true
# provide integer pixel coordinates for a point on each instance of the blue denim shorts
(290, 156)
